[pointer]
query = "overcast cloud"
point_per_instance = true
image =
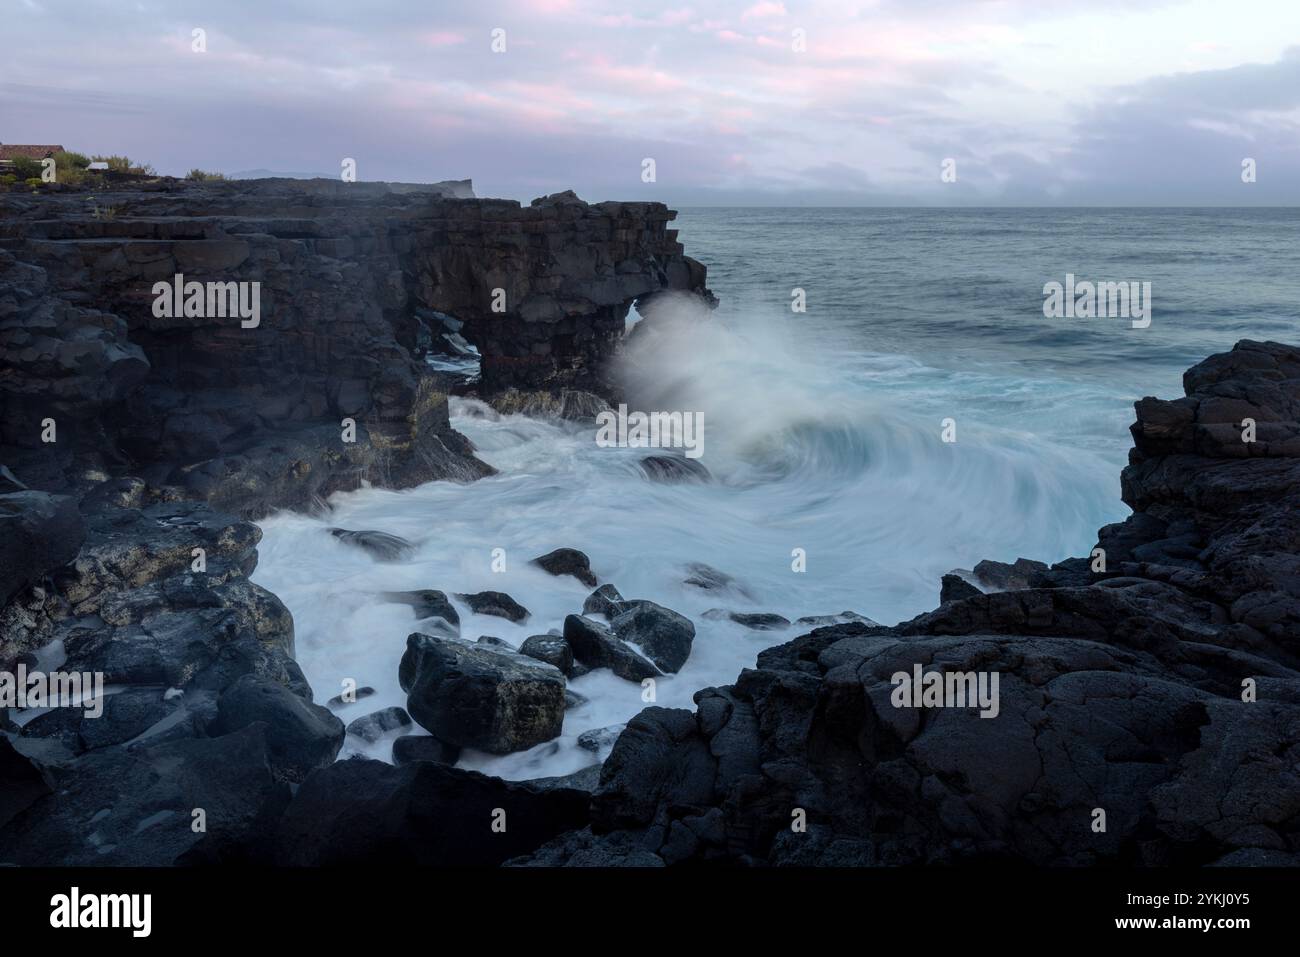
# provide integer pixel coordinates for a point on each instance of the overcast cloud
(1037, 101)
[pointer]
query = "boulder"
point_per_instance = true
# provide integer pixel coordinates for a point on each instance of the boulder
(708, 578)
(433, 608)
(568, 561)
(754, 621)
(552, 649)
(663, 635)
(600, 739)
(300, 736)
(495, 603)
(475, 696)
(595, 646)
(373, 726)
(379, 545)
(338, 701)
(604, 601)
(673, 469)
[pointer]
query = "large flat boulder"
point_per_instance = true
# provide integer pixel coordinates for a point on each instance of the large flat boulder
(479, 695)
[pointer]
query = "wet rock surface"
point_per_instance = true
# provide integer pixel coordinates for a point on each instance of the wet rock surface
(595, 646)
(495, 603)
(481, 696)
(567, 561)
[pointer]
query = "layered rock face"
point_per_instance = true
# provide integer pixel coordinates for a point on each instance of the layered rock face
(249, 413)
(1147, 707)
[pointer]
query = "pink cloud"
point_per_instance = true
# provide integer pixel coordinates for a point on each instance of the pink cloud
(668, 18)
(763, 9)
(442, 38)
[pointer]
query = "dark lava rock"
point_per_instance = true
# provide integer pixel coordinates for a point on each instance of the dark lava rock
(599, 739)
(475, 696)
(495, 603)
(587, 779)
(585, 849)
(754, 621)
(423, 813)
(955, 588)
(127, 715)
(708, 578)
(568, 561)
(663, 635)
(21, 782)
(38, 533)
(493, 641)
(843, 618)
(596, 646)
(433, 608)
(604, 601)
(380, 545)
(136, 807)
(673, 468)
(300, 735)
(552, 649)
(373, 726)
(572, 405)
(423, 747)
(999, 576)
(573, 700)
(338, 700)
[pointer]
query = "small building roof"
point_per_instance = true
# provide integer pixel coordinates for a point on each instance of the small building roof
(13, 152)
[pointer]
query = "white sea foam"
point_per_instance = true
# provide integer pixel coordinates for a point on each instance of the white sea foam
(811, 447)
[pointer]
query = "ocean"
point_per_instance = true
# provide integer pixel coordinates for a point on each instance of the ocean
(824, 431)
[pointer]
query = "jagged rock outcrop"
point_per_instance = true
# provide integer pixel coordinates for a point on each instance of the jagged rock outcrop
(205, 709)
(248, 413)
(1147, 709)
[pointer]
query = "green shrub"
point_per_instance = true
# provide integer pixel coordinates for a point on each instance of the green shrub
(27, 168)
(201, 176)
(8, 179)
(70, 160)
(33, 181)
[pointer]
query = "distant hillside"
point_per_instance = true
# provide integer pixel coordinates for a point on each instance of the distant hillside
(455, 188)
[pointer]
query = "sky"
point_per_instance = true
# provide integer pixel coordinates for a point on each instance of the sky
(758, 102)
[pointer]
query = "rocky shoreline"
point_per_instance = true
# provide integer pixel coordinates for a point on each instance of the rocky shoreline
(1155, 680)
